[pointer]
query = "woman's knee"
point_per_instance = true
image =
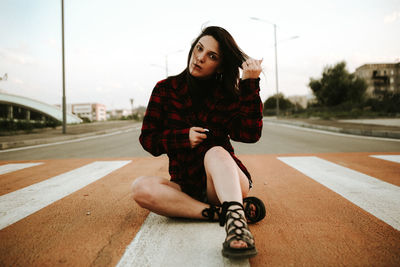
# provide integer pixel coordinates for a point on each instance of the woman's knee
(216, 152)
(141, 189)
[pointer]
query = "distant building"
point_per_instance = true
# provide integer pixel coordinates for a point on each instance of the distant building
(380, 78)
(91, 111)
(117, 114)
(301, 100)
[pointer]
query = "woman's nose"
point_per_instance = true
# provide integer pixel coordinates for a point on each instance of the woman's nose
(200, 57)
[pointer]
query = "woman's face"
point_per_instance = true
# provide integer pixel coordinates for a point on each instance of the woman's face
(206, 57)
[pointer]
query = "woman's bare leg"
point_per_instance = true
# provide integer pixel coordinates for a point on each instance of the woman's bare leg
(165, 198)
(225, 181)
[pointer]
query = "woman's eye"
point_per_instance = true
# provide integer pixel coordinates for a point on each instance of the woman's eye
(213, 57)
(199, 48)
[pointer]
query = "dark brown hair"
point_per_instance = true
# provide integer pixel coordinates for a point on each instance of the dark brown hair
(232, 57)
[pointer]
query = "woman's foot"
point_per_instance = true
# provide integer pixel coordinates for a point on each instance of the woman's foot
(239, 242)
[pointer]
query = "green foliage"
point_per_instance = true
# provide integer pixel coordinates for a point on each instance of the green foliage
(24, 125)
(135, 116)
(337, 86)
(270, 104)
(388, 102)
(85, 119)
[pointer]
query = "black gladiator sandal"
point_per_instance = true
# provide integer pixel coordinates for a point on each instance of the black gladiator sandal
(254, 210)
(236, 229)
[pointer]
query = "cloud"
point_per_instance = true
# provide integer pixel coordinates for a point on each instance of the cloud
(392, 17)
(100, 89)
(115, 85)
(17, 81)
(15, 57)
(109, 87)
(137, 86)
(53, 43)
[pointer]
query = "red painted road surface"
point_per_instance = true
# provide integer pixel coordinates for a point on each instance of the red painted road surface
(307, 224)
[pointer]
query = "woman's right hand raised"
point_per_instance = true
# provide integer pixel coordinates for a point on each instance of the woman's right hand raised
(251, 68)
(196, 136)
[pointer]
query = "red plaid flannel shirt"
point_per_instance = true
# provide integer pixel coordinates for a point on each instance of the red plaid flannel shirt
(170, 115)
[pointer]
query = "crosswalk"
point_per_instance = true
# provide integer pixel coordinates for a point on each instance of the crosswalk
(394, 158)
(22, 203)
(6, 168)
(377, 197)
(369, 181)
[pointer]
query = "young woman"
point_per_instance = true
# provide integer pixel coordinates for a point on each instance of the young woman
(191, 117)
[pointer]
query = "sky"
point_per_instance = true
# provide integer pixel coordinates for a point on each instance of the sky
(118, 50)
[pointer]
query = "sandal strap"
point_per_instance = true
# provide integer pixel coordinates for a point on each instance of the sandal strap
(210, 213)
(224, 210)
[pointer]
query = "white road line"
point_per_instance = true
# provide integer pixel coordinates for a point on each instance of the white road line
(162, 241)
(332, 133)
(67, 141)
(12, 167)
(377, 197)
(26, 201)
(394, 158)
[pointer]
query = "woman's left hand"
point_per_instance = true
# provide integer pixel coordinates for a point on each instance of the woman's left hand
(251, 69)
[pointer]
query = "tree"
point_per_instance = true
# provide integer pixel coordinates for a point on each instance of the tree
(337, 86)
(270, 104)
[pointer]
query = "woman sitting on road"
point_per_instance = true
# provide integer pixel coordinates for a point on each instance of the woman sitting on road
(192, 117)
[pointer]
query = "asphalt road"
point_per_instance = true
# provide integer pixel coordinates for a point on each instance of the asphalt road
(276, 139)
(332, 200)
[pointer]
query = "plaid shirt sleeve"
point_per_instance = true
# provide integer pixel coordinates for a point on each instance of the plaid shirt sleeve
(155, 137)
(246, 124)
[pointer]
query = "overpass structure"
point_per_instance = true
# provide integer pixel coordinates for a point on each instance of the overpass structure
(24, 108)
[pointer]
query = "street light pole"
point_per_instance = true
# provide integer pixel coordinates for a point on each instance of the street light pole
(64, 101)
(166, 59)
(132, 107)
(276, 63)
(276, 73)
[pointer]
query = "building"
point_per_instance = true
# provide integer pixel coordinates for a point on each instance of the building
(90, 111)
(380, 78)
(299, 100)
(117, 114)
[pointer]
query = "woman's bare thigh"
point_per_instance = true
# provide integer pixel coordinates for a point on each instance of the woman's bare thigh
(155, 180)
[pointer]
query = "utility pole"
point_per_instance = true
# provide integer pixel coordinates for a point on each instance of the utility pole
(276, 74)
(64, 101)
(276, 59)
(132, 107)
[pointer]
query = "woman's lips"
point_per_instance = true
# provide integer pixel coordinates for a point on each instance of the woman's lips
(196, 66)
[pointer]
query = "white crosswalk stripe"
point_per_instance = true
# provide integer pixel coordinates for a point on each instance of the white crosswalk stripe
(169, 242)
(26, 201)
(377, 197)
(12, 167)
(394, 158)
